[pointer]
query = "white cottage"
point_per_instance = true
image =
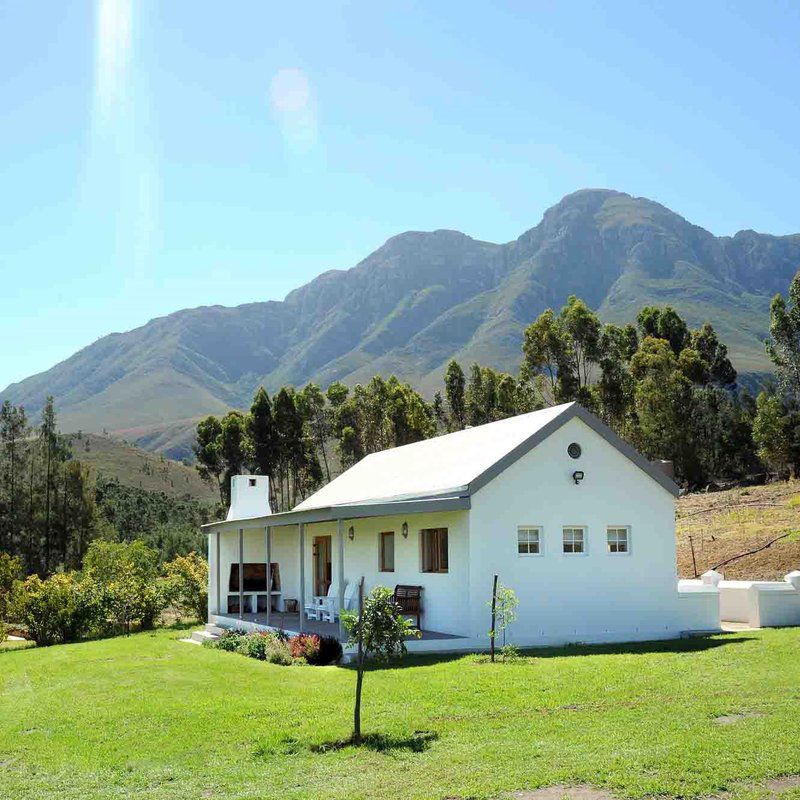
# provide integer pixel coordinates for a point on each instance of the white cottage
(578, 523)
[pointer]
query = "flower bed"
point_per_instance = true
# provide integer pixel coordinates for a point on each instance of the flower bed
(279, 648)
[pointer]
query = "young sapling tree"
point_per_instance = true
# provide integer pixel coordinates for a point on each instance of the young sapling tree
(379, 630)
(504, 604)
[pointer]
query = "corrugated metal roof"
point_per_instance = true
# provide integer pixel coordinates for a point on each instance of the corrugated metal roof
(444, 465)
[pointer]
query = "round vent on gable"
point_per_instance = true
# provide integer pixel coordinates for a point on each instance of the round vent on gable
(574, 450)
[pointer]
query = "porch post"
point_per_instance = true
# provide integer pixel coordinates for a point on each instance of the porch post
(218, 570)
(269, 572)
(340, 600)
(241, 572)
(302, 605)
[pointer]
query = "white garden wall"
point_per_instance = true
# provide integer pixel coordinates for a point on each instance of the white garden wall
(698, 606)
(761, 604)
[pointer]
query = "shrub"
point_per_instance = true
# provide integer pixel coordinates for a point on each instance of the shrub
(10, 571)
(230, 641)
(188, 584)
(278, 653)
(263, 645)
(130, 599)
(316, 650)
(305, 645)
(62, 608)
(266, 646)
(330, 651)
(128, 575)
(256, 645)
(3, 631)
(107, 562)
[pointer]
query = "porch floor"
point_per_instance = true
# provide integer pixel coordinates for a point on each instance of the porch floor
(291, 622)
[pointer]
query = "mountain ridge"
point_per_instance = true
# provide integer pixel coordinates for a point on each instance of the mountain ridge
(415, 302)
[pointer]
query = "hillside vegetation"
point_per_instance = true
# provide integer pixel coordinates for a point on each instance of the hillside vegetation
(138, 469)
(415, 303)
(725, 524)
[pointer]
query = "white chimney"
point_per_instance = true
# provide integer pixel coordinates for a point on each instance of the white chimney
(249, 497)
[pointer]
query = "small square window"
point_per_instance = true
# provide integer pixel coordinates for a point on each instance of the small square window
(252, 481)
(618, 539)
(529, 542)
(574, 540)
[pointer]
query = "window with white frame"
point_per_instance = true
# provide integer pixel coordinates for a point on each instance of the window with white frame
(574, 540)
(618, 538)
(529, 540)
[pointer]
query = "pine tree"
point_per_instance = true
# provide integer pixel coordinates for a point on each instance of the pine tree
(263, 440)
(454, 389)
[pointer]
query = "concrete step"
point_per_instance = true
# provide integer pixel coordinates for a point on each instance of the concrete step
(203, 636)
(210, 627)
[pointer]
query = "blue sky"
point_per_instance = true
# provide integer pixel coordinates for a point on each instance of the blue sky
(162, 155)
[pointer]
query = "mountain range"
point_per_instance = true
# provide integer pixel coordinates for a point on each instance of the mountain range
(419, 300)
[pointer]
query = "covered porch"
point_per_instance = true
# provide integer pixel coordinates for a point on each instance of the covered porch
(263, 571)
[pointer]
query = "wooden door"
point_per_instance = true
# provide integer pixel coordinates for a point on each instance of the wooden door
(322, 564)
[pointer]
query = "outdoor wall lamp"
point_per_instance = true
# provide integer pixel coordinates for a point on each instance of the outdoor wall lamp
(577, 476)
(351, 533)
(405, 530)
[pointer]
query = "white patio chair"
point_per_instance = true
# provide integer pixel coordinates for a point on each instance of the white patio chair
(330, 607)
(316, 605)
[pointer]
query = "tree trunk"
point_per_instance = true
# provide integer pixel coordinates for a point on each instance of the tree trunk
(494, 614)
(321, 437)
(360, 662)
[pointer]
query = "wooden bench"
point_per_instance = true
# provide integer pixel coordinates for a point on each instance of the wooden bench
(409, 598)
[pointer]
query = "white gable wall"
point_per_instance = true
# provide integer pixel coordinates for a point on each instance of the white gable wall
(593, 597)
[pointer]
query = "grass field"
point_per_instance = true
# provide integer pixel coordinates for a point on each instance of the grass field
(725, 524)
(151, 717)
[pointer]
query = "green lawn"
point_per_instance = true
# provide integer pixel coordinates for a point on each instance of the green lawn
(156, 718)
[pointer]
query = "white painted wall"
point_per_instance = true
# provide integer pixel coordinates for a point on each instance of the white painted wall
(213, 604)
(444, 595)
(761, 604)
(698, 605)
(593, 597)
(734, 601)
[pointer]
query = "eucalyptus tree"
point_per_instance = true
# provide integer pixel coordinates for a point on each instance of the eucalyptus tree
(581, 331)
(773, 434)
(783, 346)
(233, 448)
(317, 416)
(544, 349)
(664, 323)
(714, 354)
(207, 451)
